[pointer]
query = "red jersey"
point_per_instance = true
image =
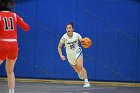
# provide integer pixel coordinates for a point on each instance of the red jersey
(8, 25)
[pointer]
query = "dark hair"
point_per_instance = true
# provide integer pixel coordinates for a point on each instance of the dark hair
(6, 5)
(70, 23)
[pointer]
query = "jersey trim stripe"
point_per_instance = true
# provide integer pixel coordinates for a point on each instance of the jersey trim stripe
(8, 40)
(15, 17)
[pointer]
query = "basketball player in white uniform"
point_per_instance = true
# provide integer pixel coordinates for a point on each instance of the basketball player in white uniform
(74, 52)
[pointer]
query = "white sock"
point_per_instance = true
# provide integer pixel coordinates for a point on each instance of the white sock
(86, 80)
(11, 90)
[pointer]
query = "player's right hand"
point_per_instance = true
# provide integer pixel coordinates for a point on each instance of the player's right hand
(82, 42)
(63, 58)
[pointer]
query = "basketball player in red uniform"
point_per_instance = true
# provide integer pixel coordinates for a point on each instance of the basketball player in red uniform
(8, 39)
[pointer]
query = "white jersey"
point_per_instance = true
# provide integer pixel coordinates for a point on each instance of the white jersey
(71, 43)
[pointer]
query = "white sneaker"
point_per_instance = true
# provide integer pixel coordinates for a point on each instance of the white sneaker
(80, 76)
(86, 85)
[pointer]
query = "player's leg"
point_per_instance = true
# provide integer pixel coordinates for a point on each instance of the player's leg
(71, 59)
(78, 71)
(10, 74)
(81, 69)
(79, 64)
(10, 63)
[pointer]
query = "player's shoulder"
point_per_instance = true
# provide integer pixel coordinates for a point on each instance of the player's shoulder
(65, 35)
(75, 33)
(14, 13)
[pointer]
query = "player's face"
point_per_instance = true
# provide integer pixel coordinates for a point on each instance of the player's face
(69, 29)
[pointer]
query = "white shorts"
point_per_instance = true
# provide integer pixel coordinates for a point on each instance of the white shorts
(73, 56)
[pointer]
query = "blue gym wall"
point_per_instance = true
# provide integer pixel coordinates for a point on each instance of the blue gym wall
(112, 25)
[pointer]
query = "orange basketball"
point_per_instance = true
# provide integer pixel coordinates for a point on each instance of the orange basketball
(86, 42)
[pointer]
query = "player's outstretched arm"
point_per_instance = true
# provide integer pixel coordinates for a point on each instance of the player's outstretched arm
(22, 24)
(60, 51)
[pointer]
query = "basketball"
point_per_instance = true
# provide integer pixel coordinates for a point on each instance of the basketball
(86, 42)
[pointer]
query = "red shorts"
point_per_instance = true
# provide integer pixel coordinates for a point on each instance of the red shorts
(8, 50)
